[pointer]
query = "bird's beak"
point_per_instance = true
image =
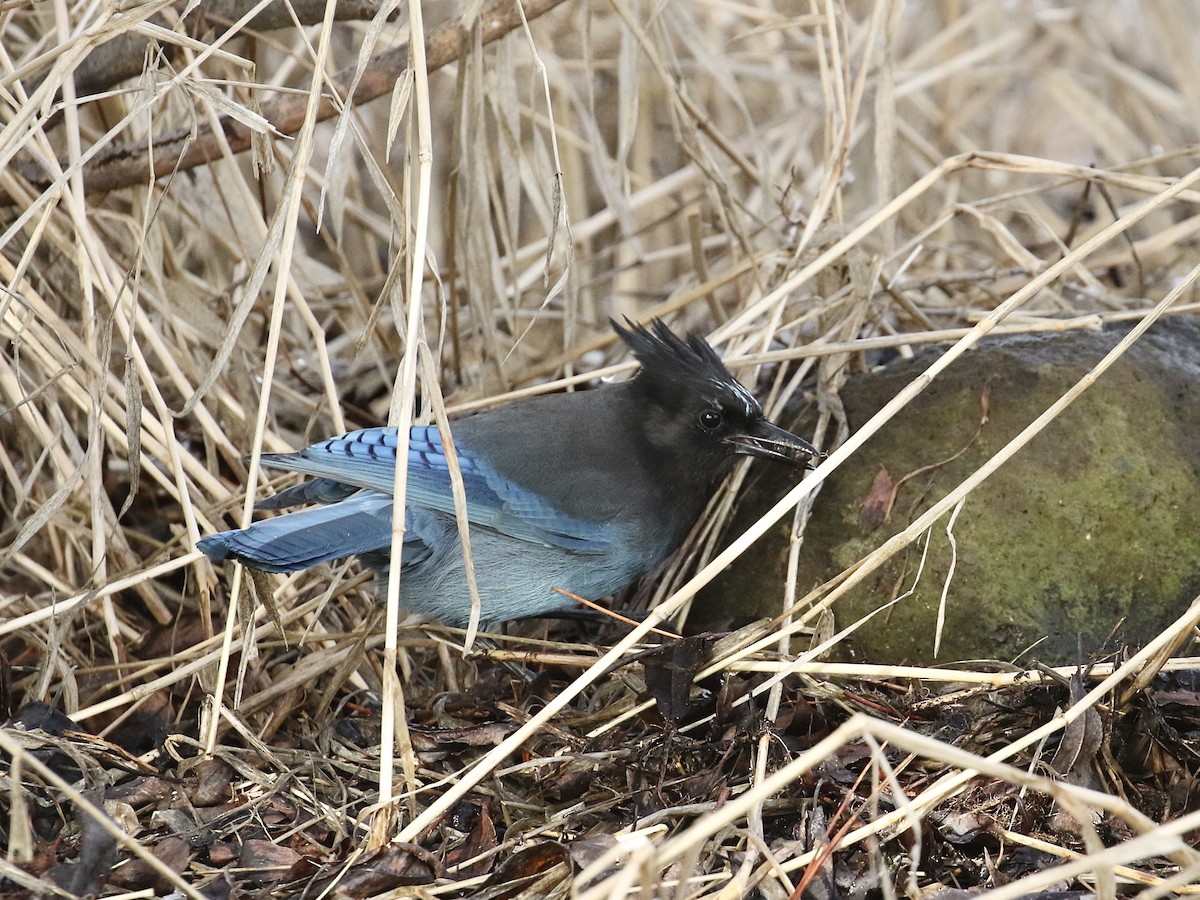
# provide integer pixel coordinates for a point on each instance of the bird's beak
(772, 442)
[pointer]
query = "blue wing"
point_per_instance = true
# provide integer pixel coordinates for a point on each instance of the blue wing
(367, 459)
(360, 524)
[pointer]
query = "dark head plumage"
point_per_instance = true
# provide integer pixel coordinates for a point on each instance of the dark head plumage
(695, 410)
(672, 366)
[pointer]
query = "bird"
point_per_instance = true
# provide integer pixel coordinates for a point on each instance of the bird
(584, 491)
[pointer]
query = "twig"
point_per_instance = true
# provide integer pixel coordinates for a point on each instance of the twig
(127, 164)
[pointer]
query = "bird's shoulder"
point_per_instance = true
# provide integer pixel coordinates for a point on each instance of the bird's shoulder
(585, 452)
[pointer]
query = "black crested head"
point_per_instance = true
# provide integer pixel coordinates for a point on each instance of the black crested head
(694, 412)
(674, 368)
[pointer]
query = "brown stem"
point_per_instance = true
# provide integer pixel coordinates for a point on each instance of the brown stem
(123, 57)
(126, 164)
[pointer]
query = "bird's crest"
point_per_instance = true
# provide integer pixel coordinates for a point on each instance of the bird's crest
(689, 363)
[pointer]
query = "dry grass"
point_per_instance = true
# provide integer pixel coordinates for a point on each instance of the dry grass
(803, 183)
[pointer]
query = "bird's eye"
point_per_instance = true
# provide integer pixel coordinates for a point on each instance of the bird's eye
(710, 419)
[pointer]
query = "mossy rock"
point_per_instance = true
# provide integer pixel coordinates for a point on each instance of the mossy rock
(1087, 539)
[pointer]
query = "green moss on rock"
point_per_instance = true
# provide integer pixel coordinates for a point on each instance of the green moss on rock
(1094, 525)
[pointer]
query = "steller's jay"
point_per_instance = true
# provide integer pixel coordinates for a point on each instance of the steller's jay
(584, 491)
